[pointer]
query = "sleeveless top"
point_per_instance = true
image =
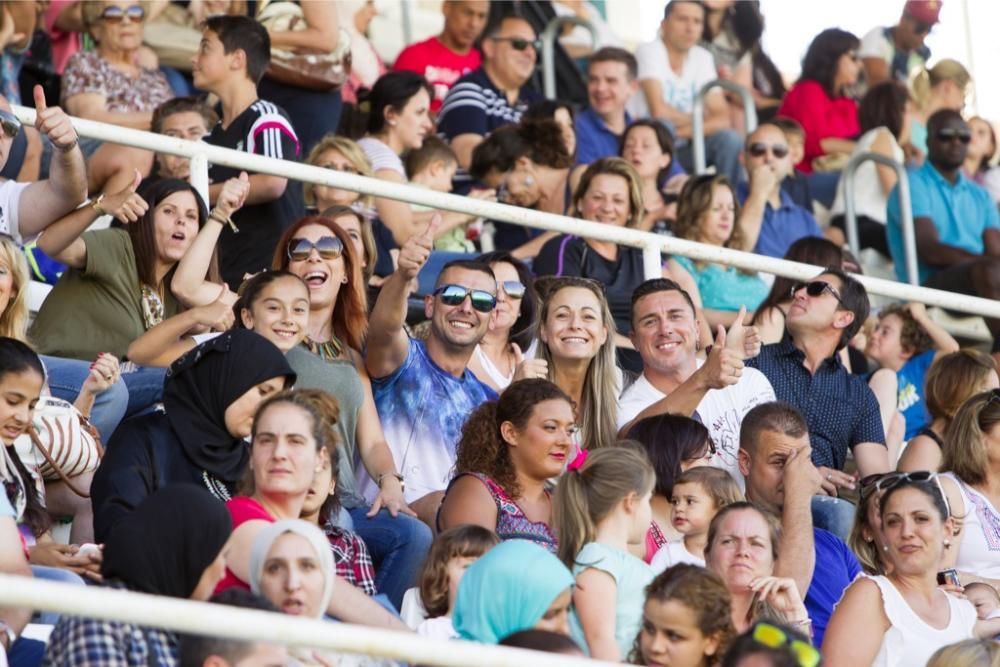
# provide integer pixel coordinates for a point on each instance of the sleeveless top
(929, 432)
(512, 524)
(501, 380)
(979, 541)
(910, 640)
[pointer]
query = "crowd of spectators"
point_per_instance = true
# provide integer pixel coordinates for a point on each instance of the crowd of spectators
(331, 405)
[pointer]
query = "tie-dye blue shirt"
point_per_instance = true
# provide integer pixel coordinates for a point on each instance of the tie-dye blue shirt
(422, 409)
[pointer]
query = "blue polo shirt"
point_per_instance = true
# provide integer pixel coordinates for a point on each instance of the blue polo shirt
(839, 407)
(836, 567)
(594, 139)
(961, 212)
(782, 226)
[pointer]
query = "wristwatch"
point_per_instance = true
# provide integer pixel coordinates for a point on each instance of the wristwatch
(8, 633)
(402, 482)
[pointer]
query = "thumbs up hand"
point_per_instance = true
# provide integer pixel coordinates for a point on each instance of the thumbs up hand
(525, 369)
(723, 367)
(126, 205)
(743, 339)
(414, 253)
(54, 123)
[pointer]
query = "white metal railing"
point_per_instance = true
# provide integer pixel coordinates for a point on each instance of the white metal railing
(549, 36)
(698, 118)
(651, 244)
(203, 618)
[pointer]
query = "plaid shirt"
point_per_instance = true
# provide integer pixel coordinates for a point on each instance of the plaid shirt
(89, 642)
(351, 558)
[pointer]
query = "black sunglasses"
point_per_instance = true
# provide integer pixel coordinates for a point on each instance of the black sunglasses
(512, 288)
(949, 134)
(759, 149)
(883, 481)
(328, 247)
(816, 288)
(115, 14)
(519, 43)
(9, 124)
(454, 295)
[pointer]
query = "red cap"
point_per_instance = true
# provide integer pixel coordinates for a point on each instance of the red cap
(925, 11)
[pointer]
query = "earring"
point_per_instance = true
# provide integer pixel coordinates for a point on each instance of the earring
(947, 544)
(885, 547)
(344, 280)
(392, 123)
(529, 181)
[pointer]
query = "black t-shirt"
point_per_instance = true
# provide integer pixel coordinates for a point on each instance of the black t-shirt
(571, 256)
(264, 129)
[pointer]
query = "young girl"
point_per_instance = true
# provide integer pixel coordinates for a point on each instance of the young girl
(453, 551)
(685, 621)
(697, 495)
(601, 507)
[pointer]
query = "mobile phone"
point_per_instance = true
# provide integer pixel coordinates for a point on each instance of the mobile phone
(949, 576)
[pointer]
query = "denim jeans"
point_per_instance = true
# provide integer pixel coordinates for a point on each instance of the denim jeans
(835, 515)
(398, 548)
(57, 575)
(26, 653)
(133, 393)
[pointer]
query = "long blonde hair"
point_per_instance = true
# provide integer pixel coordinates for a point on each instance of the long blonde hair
(588, 494)
(927, 79)
(14, 319)
(598, 408)
(967, 653)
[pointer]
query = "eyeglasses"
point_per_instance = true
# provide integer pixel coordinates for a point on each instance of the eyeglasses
(816, 288)
(519, 43)
(115, 14)
(454, 295)
(774, 637)
(948, 134)
(759, 149)
(512, 288)
(883, 481)
(9, 124)
(328, 247)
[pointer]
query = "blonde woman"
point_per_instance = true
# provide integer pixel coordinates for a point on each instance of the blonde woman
(943, 86)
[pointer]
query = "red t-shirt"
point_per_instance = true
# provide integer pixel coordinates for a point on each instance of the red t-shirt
(820, 117)
(441, 66)
(242, 509)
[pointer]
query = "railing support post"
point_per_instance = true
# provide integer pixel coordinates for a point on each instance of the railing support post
(549, 36)
(698, 118)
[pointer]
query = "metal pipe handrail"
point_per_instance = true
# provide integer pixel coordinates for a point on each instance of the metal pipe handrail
(905, 210)
(549, 35)
(512, 214)
(698, 117)
(203, 618)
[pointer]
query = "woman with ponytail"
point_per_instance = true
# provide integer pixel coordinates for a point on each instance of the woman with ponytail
(601, 507)
(934, 88)
(509, 450)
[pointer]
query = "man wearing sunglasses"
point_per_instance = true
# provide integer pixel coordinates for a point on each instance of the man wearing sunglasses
(955, 221)
(897, 51)
(770, 219)
(28, 208)
(424, 390)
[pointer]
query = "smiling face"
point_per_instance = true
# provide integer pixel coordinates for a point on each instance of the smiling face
(280, 313)
(539, 450)
(665, 331)
(574, 326)
(284, 455)
(914, 531)
(606, 200)
(608, 87)
(189, 125)
(643, 151)
(717, 223)
(459, 327)
(292, 577)
(125, 35)
(670, 635)
(508, 308)
(18, 394)
(175, 221)
(324, 194)
(239, 415)
(7, 286)
(511, 67)
(742, 550)
(413, 122)
(323, 276)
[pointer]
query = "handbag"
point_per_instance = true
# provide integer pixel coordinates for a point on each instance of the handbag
(60, 443)
(304, 68)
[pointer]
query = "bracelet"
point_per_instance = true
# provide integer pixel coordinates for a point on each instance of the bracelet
(96, 205)
(67, 149)
(218, 217)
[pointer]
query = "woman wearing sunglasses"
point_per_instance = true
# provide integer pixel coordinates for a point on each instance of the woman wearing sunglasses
(510, 337)
(902, 617)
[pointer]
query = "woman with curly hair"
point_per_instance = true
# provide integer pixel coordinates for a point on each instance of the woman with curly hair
(708, 213)
(509, 450)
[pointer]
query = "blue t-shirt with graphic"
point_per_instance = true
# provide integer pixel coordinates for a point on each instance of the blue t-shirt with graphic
(911, 401)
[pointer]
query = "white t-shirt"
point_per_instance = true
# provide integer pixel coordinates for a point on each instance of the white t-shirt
(673, 553)
(679, 91)
(10, 198)
(439, 627)
(721, 411)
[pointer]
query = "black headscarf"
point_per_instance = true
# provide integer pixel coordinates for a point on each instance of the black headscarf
(207, 380)
(164, 545)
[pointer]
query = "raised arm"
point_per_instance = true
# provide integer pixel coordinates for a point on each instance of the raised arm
(388, 343)
(797, 547)
(944, 343)
(762, 182)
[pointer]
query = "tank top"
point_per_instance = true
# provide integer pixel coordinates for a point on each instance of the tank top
(512, 524)
(910, 640)
(501, 380)
(979, 545)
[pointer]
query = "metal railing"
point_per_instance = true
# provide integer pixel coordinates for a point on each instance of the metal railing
(203, 618)
(905, 210)
(698, 118)
(651, 244)
(549, 36)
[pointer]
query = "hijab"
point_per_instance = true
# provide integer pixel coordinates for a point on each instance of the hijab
(204, 382)
(164, 545)
(269, 535)
(508, 590)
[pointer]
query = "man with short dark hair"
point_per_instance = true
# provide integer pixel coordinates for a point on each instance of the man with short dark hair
(230, 62)
(897, 51)
(206, 651)
(955, 220)
(774, 457)
(611, 82)
(186, 118)
(443, 59)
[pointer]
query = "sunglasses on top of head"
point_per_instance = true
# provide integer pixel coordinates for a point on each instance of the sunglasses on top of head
(759, 149)
(883, 481)
(328, 247)
(454, 295)
(816, 288)
(115, 14)
(9, 124)
(949, 134)
(520, 44)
